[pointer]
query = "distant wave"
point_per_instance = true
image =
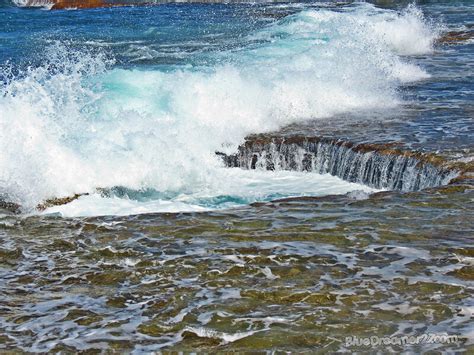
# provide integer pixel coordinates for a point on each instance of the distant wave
(33, 3)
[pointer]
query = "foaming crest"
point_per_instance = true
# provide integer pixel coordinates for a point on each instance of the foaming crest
(42, 110)
(71, 126)
(20, 3)
(33, 3)
(409, 33)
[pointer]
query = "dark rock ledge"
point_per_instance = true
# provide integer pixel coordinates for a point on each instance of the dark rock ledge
(382, 166)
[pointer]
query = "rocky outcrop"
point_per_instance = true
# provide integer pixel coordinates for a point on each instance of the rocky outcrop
(61, 4)
(10, 207)
(58, 201)
(379, 166)
(455, 37)
(15, 208)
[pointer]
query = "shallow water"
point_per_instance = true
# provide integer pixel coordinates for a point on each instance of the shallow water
(292, 275)
(143, 104)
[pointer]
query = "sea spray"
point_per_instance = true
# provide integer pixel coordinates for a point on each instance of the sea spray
(77, 122)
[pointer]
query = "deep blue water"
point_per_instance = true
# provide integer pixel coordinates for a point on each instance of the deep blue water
(182, 33)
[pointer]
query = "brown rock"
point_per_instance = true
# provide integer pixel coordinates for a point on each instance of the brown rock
(58, 201)
(455, 37)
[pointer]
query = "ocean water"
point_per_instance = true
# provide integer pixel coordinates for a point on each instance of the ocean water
(143, 97)
(169, 249)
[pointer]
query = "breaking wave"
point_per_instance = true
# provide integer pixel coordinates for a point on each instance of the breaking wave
(78, 122)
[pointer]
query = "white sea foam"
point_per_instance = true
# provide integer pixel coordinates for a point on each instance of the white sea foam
(229, 188)
(225, 337)
(34, 3)
(75, 123)
(408, 34)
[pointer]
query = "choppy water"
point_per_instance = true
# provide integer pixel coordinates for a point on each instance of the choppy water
(139, 99)
(296, 275)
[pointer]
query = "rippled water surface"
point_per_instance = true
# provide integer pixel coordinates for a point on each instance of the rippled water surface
(292, 275)
(138, 100)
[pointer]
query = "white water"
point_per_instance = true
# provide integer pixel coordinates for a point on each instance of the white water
(85, 125)
(232, 187)
(34, 3)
